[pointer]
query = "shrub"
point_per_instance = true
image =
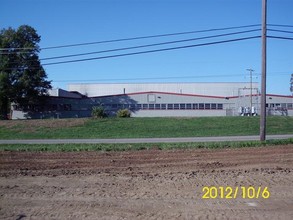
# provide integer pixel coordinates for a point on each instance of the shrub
(123, 113)
(98, 112)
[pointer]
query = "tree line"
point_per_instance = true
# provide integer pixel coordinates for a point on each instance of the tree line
(23, 80)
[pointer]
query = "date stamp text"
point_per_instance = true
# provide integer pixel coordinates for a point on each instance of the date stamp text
(228, 192)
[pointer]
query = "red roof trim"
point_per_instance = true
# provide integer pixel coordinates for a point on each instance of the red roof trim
(283, 96)
(166, 93)
(184, 94)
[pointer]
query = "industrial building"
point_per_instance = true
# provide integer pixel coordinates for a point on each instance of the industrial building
(158, 100)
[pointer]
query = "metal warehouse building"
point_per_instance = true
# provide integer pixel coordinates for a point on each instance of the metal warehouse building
(158, 100)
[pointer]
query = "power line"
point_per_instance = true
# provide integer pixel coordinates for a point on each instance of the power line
(150, 45)
(137, 53)
(149, 78)
(146, 37)
(283, 38)
(281, 25)
(139, 37)
(151, 51)
(282, 31)
(167, 77)
(279, 73)
(151, 36)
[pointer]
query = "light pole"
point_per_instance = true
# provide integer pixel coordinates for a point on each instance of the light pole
(250, 70)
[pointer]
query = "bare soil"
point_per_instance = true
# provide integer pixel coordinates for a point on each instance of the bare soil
(149, 184)
(32, 125)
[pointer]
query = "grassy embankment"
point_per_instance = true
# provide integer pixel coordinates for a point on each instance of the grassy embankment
(139, 127)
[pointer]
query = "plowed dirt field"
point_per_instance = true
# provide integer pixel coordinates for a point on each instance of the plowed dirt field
(148, 184)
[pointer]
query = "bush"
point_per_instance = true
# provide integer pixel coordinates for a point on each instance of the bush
(98, 112)
(123, 113)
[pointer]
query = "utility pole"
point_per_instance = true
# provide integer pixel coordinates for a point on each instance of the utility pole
(250, 70)
(263, 72)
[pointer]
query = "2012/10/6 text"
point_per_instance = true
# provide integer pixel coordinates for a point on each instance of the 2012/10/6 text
(228, 192)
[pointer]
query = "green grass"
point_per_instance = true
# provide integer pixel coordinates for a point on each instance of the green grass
(127, 147)
(146, 127)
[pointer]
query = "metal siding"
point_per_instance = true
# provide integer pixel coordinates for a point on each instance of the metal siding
(82, 107)
(160, 98)
(211, 89)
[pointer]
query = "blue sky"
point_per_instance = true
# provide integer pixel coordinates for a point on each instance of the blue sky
(64, 22)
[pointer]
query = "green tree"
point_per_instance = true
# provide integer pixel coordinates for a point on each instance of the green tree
(23, 80)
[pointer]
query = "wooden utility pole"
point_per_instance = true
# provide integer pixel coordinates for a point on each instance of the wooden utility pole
(263, 72)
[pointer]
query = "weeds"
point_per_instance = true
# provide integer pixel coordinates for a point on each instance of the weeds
(126, 147)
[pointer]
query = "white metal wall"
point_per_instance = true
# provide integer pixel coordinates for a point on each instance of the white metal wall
(210, 89)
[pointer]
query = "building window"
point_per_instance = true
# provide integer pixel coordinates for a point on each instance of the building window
(125, 106)
(207, 106)
(290, 105)
(144, 106)
(194, 106)
(114, 106)
(180, 106)
(170, 106)
(132, 106)
(157, 106)
(220, 106)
